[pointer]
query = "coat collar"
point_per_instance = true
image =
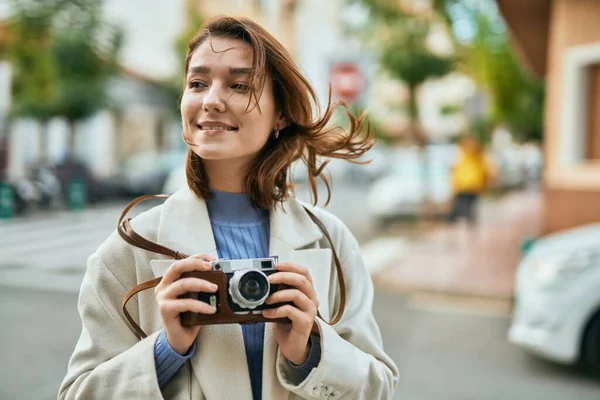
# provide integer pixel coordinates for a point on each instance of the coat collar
(185, 226)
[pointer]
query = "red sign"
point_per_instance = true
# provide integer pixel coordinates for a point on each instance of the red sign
(347, 82)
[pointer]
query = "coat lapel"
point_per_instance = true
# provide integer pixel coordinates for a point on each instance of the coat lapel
(185, 226)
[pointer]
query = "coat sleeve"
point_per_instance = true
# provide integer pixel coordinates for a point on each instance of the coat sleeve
(353, 363)
(108, 361)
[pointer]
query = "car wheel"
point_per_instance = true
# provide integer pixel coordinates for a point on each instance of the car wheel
(591, 346)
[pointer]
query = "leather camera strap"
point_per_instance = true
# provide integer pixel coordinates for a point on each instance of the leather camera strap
(130, 236)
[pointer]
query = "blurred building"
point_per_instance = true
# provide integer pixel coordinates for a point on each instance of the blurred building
(144, 115)
(143, 112)
(560, 40)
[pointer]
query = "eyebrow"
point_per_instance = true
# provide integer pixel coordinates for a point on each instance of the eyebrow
(202, 69)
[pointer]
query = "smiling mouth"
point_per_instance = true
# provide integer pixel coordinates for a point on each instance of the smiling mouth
(216, 128)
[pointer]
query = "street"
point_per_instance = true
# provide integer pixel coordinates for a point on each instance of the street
(445, 349)
(441, 355)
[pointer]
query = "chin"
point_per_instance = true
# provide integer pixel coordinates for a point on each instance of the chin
(212, 152)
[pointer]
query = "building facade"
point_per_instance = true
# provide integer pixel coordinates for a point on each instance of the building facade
(560, 40)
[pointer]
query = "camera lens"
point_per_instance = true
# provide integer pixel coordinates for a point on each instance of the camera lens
(253, 286)
(249, 288)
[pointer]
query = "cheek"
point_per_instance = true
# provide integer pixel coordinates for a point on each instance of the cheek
(260, 129)
(189, 106)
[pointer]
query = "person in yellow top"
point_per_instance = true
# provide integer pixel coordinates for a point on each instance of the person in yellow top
(471, 176)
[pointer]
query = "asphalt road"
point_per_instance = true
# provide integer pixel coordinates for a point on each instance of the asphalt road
(441, 355)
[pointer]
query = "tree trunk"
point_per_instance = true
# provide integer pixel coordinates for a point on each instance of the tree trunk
(419, 137)
(43, 143)
(119, 140)
(5, 137)
(71, 139)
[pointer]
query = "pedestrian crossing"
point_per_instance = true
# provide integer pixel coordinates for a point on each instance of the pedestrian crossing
(60, 241)
(50, 250)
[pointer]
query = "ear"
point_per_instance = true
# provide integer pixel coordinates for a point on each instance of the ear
(281, 122)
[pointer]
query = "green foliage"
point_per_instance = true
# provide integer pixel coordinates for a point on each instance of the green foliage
(84, 63)
(60, 65)
(516, 98)
(62, 55)
(404, 53)
(449, 109)
(28, 48)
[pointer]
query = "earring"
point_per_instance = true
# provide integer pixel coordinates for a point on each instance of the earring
(277, 134)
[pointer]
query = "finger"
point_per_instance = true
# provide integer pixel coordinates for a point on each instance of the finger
(300, 300)
(185, 285)
(296, 280)
(171, 308)
(300, 320)
(203, 256)
(291, 267)
(178, 267)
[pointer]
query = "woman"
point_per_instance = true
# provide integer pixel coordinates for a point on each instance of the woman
(247, 115)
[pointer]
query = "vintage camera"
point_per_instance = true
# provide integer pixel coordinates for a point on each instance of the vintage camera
(243, 287)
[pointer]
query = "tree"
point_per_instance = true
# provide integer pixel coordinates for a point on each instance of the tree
(28, 49)
(405, 55)
(516, 98)
(85, 51)
(62, 55)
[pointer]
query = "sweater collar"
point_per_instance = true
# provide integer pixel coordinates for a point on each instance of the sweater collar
(234, 208)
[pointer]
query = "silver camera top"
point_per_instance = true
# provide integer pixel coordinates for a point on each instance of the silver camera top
(226, 265)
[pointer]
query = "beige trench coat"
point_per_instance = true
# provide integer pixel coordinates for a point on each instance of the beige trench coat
(110, 363)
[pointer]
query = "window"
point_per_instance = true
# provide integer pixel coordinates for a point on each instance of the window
(593, 114)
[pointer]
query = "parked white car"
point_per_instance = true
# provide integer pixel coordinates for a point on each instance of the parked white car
(557, 298)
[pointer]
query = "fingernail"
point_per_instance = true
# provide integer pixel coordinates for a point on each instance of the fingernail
(214, 287)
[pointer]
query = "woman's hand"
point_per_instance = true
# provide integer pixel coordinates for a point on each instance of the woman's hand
(170, 305)
(293, 339)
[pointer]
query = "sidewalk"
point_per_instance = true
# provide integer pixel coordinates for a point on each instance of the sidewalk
(455, 260)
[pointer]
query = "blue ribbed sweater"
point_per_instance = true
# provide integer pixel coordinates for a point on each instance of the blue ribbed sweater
(240, 231)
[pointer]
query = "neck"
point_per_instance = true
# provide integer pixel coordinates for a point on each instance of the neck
(227, 175)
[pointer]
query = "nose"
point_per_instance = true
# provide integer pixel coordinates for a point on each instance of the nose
(213, 101)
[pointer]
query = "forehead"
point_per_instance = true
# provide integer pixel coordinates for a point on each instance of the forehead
(223, 51)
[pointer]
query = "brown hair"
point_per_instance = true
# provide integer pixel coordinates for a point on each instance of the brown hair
(305, 137)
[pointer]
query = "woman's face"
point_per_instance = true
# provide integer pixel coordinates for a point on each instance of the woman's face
(214, 107)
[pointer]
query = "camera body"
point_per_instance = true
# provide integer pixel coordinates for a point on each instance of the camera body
(243, 287)
(248, 285)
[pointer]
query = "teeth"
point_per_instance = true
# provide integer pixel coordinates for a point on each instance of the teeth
(216, 128)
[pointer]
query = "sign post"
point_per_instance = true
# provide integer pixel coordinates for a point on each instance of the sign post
(348, 82)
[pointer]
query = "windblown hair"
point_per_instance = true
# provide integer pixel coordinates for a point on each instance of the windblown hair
(306, 137)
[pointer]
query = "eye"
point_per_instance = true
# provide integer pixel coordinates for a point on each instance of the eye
(240, 87)
(196, 85)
